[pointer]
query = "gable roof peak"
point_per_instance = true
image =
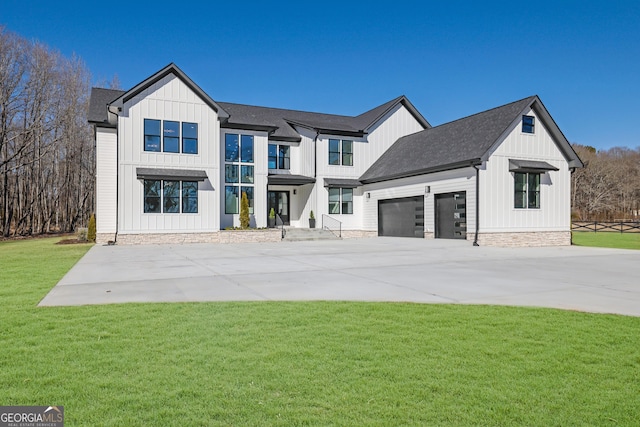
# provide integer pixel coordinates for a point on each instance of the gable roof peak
(176, 71)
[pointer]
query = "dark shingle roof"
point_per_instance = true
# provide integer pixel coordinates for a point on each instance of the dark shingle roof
(98, 102)
(447, 146)
(281, 121)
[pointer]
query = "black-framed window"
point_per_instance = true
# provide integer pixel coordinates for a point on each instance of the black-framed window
(279, 157)
(334, 151)
(528, 124)
(152, 135)
(168, 196)
(341, 152)
(526, 190)
(189, 138)
(284, 161)
(166, 135)
(347, 153)
(170, 136)
(340, 201)
(273, 156)
(239, 171)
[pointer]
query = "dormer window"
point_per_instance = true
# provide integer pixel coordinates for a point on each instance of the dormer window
(528, 124)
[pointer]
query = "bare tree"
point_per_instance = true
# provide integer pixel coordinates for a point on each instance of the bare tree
(46, 150)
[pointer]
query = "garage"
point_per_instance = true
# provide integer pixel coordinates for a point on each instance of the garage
(451, 215)
(402, 217)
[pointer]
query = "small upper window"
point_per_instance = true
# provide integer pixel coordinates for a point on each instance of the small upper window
(171, 137)
(528, 124)
(190, 138)
(340, 152)
(151, 135)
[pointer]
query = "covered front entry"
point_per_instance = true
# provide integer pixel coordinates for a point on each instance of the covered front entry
(401, 217)
(451, 215)
(279, 201)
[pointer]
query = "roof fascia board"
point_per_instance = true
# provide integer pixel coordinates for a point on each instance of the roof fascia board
(170, 69)
(241, 126)
(328, 131)
(440, 168)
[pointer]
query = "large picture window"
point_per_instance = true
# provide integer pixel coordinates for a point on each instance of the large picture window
(167, 196)
(527, 190)
(340, 201)
(170, 133)
(340, 152)
(239, 170)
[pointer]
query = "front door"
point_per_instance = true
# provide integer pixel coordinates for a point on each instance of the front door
(451, 215)
(279, 201)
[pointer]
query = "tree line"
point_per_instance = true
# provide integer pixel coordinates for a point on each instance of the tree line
(608, 187)
(47, 155)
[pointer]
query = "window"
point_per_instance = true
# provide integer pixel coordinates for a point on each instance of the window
(170, 136)
(527, 190)
(340, 152)
(238, 169)
(190, 138)
(170, 196)
(340, 201)
(283, 157)
(273, 156)
(347, 153)
(528, 124)
(279, 157)
(151, 135)
(189, 197)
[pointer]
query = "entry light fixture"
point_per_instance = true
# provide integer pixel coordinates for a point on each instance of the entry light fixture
(427, 189)
(295, 191)
(368, 195)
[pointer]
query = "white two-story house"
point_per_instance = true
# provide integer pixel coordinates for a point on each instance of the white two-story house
(172, 163)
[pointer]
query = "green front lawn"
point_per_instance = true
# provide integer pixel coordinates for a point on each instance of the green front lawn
(606, 239)
(317, 363)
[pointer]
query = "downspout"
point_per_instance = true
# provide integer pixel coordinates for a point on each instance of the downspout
(115, 236)
(477, 168)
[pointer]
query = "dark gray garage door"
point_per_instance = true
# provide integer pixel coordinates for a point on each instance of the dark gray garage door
(401, 217)
(451, 215)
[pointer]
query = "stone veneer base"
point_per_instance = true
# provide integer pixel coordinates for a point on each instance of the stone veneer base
(523, 239)
(357, 234)
(223, 236)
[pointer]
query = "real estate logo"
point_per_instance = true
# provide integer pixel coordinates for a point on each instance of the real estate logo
(31, 416)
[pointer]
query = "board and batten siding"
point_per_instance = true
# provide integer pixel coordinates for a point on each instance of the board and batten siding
(497, 186)
(168, 99)
(438, 183)
(106, 178)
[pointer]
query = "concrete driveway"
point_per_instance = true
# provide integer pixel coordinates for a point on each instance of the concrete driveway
(375, 269)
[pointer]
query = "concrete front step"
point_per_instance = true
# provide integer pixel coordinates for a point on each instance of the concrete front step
(305, 234)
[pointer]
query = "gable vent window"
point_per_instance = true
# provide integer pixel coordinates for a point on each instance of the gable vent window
(528, 124)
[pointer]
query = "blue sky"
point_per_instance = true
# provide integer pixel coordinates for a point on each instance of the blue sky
(450, 58)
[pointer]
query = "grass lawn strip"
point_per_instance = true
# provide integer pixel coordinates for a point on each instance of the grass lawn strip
(316, 363)
(606, 239)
